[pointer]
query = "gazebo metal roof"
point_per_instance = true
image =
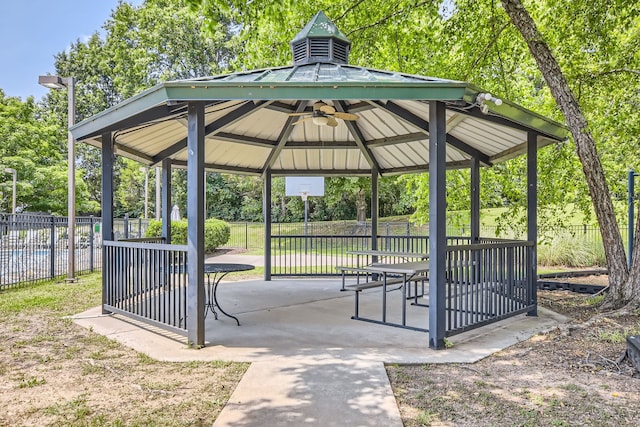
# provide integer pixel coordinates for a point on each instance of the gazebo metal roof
(249, 127)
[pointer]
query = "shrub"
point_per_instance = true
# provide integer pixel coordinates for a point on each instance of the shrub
(216, 232)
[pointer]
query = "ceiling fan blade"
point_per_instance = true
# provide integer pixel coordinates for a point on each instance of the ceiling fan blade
(298, 114)
(327, 109)
(345, 116)
(332, 122)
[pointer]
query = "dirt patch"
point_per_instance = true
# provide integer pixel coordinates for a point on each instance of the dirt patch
(564, 377)
(53, 372)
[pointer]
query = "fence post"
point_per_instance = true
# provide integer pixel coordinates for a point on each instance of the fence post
(246, 235)
(52, 249)
(388, 239)
(91, 231)
(139, 227)
(126, 226)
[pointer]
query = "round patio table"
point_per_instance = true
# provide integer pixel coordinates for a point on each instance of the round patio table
(216, 272)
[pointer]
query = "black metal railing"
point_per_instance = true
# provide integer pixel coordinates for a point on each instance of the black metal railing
(147, 281)
(295, 255)
(487, 282)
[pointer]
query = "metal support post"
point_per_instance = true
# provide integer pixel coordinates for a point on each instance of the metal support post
(630, 202)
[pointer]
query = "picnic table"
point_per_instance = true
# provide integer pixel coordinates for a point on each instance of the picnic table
(369, 254)
(377, 273)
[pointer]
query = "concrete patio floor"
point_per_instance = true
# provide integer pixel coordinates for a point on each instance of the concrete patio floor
(312, 318)
(311, 363)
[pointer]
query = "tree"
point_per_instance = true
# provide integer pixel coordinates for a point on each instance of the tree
(596, 42)
(31, 145)
(624, 287)
(160, 40)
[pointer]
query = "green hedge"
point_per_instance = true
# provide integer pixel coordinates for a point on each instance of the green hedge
(216, 232)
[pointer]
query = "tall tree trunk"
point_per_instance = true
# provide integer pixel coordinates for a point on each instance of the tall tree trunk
(620, 292)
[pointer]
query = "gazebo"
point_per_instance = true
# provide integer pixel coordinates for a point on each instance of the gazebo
(322, 117)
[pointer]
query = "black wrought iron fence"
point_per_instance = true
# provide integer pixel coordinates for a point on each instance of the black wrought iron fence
(36, 247)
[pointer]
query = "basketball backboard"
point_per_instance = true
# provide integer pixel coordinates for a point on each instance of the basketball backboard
(304, 186)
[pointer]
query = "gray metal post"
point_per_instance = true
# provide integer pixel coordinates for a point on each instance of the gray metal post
(107, 209)
(266, 209)
(532, 216)
(158, 193)
(71, 203)
(306, 219)
(57, 82)
(166, 200)
(475, 200)
(52, 248)
(630, 196)
(374, 210)
(437, 224)
(91, 241)
(195, 228)
(126, 226)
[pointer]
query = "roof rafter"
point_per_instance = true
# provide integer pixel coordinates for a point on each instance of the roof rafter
(212, 128)
(357, 135)
(422, 124)
(284, 135)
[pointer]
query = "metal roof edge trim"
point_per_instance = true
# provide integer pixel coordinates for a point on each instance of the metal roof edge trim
(185, 93)
(512, 111)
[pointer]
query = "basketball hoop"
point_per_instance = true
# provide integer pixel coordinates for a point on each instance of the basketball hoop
(304, 196)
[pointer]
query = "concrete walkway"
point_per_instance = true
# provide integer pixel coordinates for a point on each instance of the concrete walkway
(311, 364)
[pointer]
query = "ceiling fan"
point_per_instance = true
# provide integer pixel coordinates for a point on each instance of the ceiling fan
(324, 114)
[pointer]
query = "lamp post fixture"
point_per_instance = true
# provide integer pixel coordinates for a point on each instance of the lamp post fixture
(15, 180)
(57, 82)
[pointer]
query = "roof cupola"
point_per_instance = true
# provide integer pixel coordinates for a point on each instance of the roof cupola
(320, 41)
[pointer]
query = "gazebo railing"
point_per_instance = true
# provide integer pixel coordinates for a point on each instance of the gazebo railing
(146, 281)
(319, 255)
(488, 282)
(484, 282)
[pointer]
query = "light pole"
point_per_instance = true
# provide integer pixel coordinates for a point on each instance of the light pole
(15, 180)
(56, 82)
(146, 191)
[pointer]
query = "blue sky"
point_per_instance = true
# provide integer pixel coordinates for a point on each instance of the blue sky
(32, 32)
